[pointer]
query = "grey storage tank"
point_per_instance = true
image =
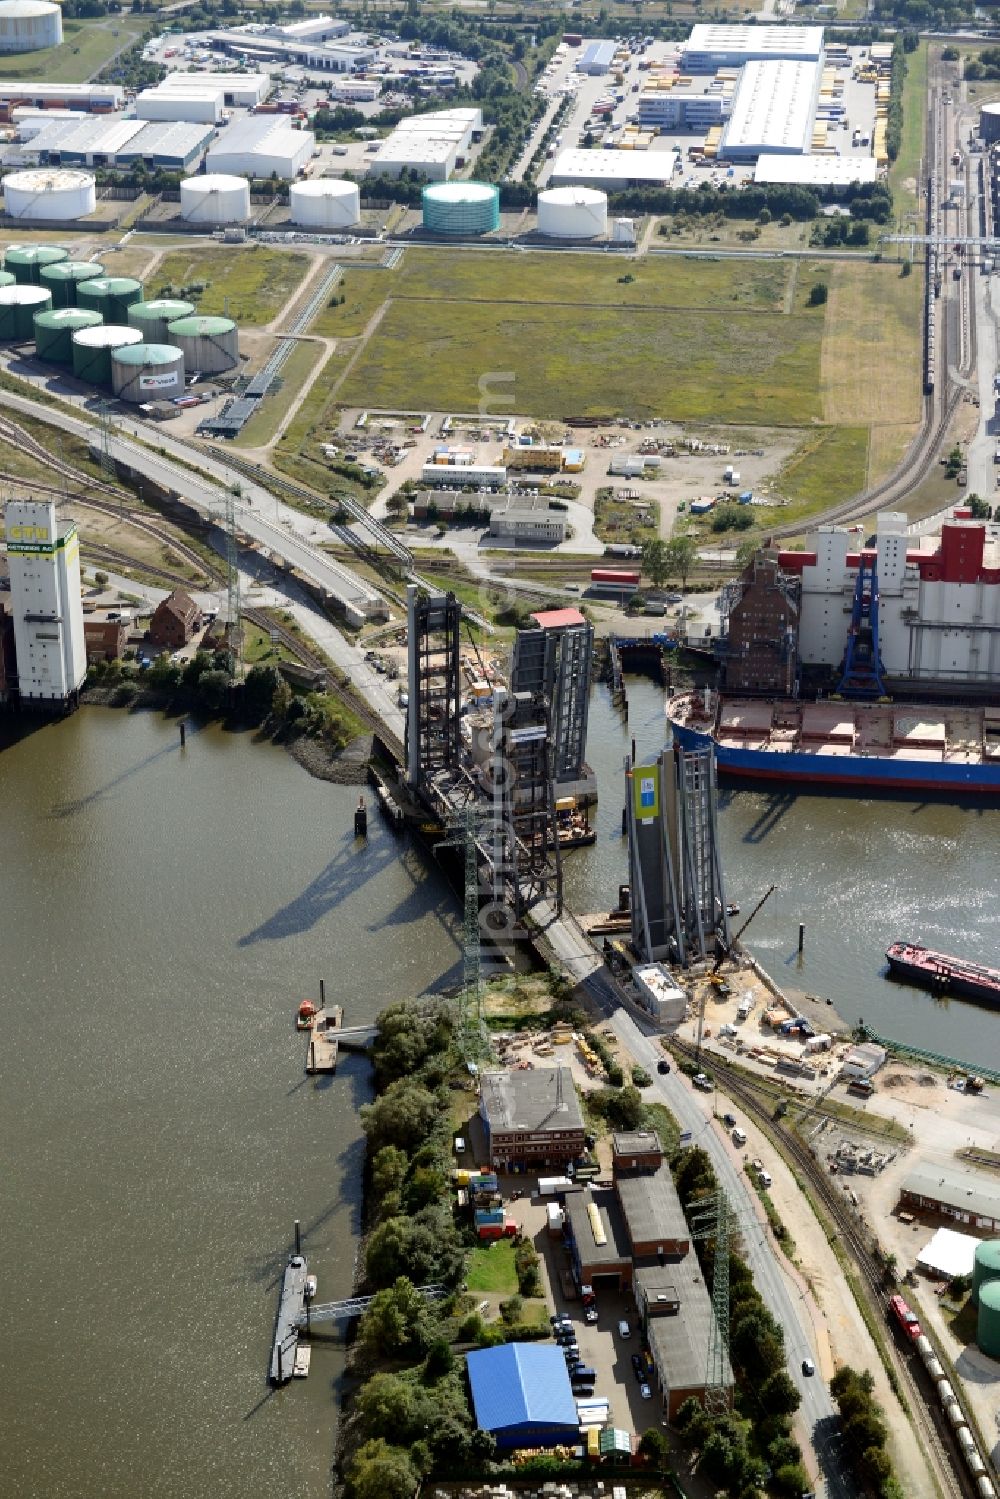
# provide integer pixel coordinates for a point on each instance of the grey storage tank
(54, 332)
(63, 278)
(111, 296)
(18, 305)
(153, 318)
(92, 349)
(147, 372)
(210, 344)
(985, 1266)
(25, 262)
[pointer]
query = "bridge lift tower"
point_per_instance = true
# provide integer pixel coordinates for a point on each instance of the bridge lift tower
(435, 693)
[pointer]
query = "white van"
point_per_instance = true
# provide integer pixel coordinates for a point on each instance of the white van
(739, 1137)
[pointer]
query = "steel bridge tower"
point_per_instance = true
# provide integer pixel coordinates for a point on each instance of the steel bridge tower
(526, 839)
(434, 682)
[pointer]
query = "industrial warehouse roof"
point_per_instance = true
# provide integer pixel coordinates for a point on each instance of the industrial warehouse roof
(773, 108)
(532, 1099)
(652, 1209)
(113, 135)
(174, 138)
(521, 1384)
(555, 619)
(267, 134)
(949, 1253)
(679, 1343)
(616, 1248)
(963, 1191)
(756, 41)
(611, 168)
(815, 171)
(599, 54)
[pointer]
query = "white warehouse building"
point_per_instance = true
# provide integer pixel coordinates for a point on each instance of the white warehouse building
(613, 170)
(29, 25)
(432, 144)
(239, 90)
(710, 48)
(197, 104)
(773, 110)
(827, 175)
(261, 146)
(43, 554)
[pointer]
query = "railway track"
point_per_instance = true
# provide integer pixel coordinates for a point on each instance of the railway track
(307, 657)
(101, 553)
(939, 1447)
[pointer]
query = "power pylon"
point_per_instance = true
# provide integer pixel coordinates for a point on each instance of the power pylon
(715, 1219)
(234, 634)
(107, 462)
(472, 1037)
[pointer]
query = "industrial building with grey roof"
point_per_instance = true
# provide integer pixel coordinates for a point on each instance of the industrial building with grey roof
(954, 1193)
(531, 1117)
(679, 1339)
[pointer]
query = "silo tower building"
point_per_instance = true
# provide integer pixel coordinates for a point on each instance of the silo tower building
(43, 554)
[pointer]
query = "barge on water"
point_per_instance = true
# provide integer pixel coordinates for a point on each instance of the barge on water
(943, 974)
(872, 747)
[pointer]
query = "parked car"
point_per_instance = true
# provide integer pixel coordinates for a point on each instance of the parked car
(662, 1066)
(624, 1331)
(645, 1392)
(808, 1367)
(590, 1314)
(639, 1368)
(729, 1120)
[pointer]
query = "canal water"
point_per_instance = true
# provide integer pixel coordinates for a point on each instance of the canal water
(163, 912)
(859, 873)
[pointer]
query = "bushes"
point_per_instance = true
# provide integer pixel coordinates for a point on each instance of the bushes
(865, 1431)
(526, 1264)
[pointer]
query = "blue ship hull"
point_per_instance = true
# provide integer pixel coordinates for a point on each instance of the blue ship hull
(867, 772)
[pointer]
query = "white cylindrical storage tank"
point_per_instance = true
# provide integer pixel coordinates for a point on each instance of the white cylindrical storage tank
(18, 306)
(623, 232)
(326, 204)
(573, 213)
(29, 25)
(210, 344)
(147, 372)
(49, 193)
(215, 200)
(93, 347)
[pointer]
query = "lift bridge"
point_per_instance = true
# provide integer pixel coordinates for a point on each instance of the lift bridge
(356, 1306)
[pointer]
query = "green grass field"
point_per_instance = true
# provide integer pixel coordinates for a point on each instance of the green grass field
(829, 464)
(363, 293)
(86, 47)
(905, 170)
(491, 1268)
(250, 285)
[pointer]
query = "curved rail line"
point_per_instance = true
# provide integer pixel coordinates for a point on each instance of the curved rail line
(939, 1445)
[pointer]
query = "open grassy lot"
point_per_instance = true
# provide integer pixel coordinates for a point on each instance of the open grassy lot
(363, 293)
(886, 448)
(829, 465)
(260, 429)
(682, 364)
(491, 1268)
(871, 369)
(86, 47)
(250, 284)
(904, 174)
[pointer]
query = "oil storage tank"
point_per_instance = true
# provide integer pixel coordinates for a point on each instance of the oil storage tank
(63, 278)
(147, 372)
(210, 344)
(988, 1328)
(215, 199)
(6, 279)
(461, 208)
(25, 262)
(325, 204)
(111, 296)
(154, 318)
(49, 193)
(18, 305)
(573, 213)
(54, 332)
(29, 25)
(985, 1265)
(92, 349)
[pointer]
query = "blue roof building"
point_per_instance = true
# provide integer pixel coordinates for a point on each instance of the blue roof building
(521, 1393)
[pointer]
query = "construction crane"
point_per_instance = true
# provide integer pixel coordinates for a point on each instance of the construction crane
(713, 978)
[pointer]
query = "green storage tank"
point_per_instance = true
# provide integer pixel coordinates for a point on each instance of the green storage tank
(985, 1266)
(63, 278)
(54, 332)
(25, 262)
(988, 1330)
(18, 305)
(111, 296)
(154, 318)
(92, 349)
(210, 344)
(6, 279)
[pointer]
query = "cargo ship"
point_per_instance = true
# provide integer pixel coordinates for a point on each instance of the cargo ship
(944, 974)
(870, 747)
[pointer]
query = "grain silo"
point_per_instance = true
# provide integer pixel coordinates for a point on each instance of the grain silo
(461, 208)
(147, 372)
(988, 1327)
(54, 331)
(63, 278)
(985, 1265)
(989, 123)
(154, 318)
(25, 261)
(29, 25)
(210, 344)
(111, 296)
(215, 200)
(325, 204)
(18, 305)
(43, 194)
(92, 348)
(573, 213)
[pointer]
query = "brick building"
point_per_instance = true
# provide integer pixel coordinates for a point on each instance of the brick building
(176, 620)
(531, 1118)
(762, 644)
(105, 639)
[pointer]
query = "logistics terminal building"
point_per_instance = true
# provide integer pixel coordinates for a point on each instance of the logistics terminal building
(710, 48)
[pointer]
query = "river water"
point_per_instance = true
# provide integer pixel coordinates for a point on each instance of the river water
(163, 911)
